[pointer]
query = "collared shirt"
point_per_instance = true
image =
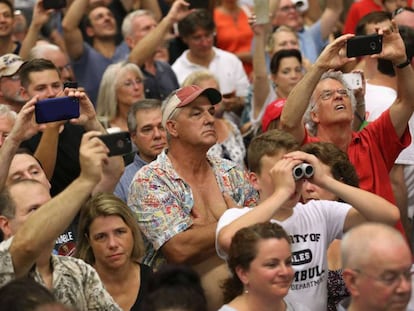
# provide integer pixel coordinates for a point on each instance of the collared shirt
(162, 201)
(160, 85)
(75, 283)
(122, 188)
(226, 66)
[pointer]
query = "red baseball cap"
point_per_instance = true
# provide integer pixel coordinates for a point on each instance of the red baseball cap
(185, 96)
(272, 112)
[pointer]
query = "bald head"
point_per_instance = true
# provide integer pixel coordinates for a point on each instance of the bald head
(364, 241)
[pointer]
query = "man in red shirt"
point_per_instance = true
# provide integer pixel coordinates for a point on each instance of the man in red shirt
(330, 113)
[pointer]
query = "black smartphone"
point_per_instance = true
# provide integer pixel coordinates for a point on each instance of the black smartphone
(56, 109)
(54, 4)
(118, 143)
(364, 45)
(70, 84)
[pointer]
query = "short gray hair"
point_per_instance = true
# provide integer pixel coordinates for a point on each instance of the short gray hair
(126, 27)
(7, 112)
(148, 103)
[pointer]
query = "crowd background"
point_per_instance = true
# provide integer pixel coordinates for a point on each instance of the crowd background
(220, 106)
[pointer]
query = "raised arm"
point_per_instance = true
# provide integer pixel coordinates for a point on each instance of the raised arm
(330, 17)
(149, 5)
(40, 17)
(297, 102)
(394, 50)
(24, 128)
(284, 187)
(367, 206)
(71, 32)
(261, 87)
(114, 167)
(146, 47)
(43, 227)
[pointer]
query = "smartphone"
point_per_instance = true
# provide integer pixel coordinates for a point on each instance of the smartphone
(118, 143)
(364, 45)
(261, 10)
(54, 4)
(70, 84)
(354, 80)
(56, 109)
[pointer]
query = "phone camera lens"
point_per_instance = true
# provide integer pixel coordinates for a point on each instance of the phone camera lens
(120, 143)
(373, 45)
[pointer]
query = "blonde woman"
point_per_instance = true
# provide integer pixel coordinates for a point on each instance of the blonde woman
(121, 86)
(110, 241)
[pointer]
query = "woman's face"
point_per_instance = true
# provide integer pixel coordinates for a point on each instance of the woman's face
(289, 73)
(130, 88)
(284, 40)
(111, 241)
(311, 191)
(270, 273)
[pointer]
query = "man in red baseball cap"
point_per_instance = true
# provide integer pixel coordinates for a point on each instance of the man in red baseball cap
(178, 198)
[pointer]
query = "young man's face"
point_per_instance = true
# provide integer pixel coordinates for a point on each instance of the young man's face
(6, 21)
(263, 182)
(46, 84)
(200, 42)
(103, 23)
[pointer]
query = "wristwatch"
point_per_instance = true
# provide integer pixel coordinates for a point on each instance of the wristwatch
(405, 64)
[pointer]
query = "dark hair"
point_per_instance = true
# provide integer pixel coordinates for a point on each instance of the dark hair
(10, 5)
(24, 294)
(7, 205)
(199, 18)
(371, 18)
(243, 251)
(281, 54)
(338, 161)
(35, 65)
(269, 143)
(175, 287)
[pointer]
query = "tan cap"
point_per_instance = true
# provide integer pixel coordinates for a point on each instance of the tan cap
(10, 64)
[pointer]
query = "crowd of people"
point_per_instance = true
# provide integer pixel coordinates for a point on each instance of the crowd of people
(254, 174)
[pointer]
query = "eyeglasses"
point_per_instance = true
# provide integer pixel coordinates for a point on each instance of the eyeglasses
(390, 278)
(64, 67)
(327, 94)
(130, 83)
(200, 38)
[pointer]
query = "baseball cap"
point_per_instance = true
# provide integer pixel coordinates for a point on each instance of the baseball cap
(272, 112)
(10, 64)
(186, 95)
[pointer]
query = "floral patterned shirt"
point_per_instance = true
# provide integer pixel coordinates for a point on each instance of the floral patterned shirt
(75, 283)
(162, 200)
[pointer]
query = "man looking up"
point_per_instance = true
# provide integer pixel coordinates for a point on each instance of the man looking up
(330, 113)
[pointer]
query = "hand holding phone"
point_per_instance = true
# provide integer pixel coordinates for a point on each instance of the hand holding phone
(56, 109)
(118, 143)
(364, 45)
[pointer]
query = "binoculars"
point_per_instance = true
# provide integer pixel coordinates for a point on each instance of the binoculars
(303, 170)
